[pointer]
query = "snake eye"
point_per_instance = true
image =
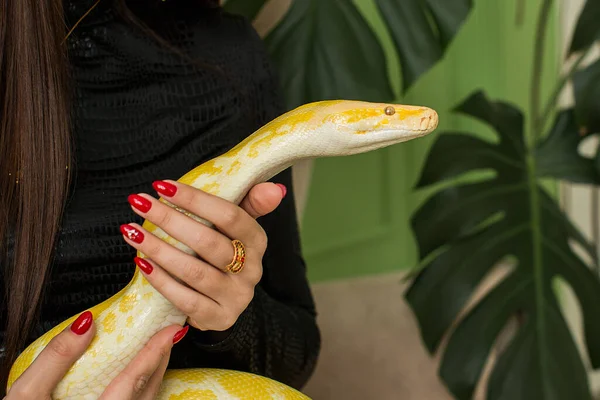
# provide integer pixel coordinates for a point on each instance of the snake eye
(389, 110)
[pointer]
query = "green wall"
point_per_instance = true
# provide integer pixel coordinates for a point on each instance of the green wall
(357, 217)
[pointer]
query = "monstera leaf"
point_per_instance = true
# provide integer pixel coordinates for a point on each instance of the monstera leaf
(586, 84)
(510, 217)
(422, 30)
(325, 49)
(587, 30)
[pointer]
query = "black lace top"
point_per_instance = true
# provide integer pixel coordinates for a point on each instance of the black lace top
(143, 113)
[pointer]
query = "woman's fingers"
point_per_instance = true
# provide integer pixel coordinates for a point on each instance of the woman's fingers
(227, 217)
(155, 381)
(141, 378)
(196, 273)
(139, 375)
(195, 304)
(236, 222)
(263, 199)
(51, 365)
(211, 245)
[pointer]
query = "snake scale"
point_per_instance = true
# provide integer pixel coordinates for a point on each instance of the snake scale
(127, 320)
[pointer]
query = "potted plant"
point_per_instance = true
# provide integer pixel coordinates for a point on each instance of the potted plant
(464, 230)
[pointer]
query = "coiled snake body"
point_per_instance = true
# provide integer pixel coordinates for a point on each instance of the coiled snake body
(126, 321)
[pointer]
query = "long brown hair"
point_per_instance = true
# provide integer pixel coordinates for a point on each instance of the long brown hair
(35, 152)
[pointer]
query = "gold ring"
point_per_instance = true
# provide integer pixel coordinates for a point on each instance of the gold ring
(239, 257)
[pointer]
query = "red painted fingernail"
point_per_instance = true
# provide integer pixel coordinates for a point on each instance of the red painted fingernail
(139, 202)
(165, 188)
(283, 189)
(132, 233)
(82, 324)
(181, 334)
(144, 265)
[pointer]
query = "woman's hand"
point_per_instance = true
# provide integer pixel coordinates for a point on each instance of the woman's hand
(212, 297)
(141, 378)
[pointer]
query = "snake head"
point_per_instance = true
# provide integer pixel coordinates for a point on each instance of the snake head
(364, 126)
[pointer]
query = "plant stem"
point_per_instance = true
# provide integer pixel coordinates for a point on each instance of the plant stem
(595, 227)
(520, 13)
(534, 202)
(559, 88)
(536, 81)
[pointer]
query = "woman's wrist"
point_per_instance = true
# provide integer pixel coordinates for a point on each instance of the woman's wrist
(222, 340)
(211, 338)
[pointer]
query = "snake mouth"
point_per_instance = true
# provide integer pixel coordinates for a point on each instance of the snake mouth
(425, 123)
(429, 122)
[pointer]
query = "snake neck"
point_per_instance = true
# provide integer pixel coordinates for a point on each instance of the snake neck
(255, 160)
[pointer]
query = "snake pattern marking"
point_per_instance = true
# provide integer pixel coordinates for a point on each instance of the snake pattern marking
(126, 321)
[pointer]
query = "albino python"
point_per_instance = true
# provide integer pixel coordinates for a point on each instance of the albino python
(126, 321)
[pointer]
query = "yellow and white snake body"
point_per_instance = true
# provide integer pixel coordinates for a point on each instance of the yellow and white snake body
(127, 320)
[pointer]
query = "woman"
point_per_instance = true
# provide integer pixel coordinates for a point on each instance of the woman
(149, 90)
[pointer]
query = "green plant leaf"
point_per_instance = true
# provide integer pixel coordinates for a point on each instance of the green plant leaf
(598, 160)
(422, 30)
(558, 157)
(587, 30)
(472, 227)
(247, 8)
(586, 85)
(325, 50)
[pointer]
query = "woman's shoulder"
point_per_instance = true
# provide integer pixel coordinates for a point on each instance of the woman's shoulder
(167, 18)
(127, 81)
(106, 30)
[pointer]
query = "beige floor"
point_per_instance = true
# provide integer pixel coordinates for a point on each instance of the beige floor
(371, 346)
